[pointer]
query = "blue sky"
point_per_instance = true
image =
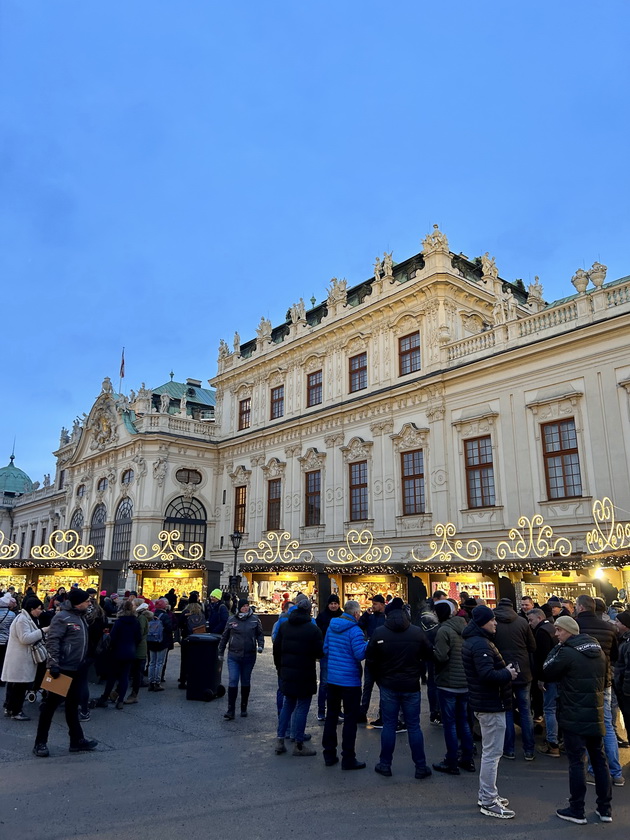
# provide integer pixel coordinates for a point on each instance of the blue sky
(169, 172)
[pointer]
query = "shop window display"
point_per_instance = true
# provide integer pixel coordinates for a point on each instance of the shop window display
(364, 589)
(19, 581)
(268, 595)
(85, 579)
(476, 589)
(155, 587)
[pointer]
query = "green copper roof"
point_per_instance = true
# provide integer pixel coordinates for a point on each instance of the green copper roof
(175, 390)
(14, 480)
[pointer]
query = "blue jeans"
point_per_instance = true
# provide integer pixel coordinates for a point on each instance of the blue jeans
(299, 705)
(240, 669)
(156, 662)
(368, 685)
(610, 739)
(323, 682)
(522, 702)
(454, 709)
(550, 702)
(391, 704)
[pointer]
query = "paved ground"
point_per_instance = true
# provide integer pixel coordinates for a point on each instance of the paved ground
(167, 767)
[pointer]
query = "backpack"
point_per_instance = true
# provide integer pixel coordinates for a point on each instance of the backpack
(156, 630)
(196, 623)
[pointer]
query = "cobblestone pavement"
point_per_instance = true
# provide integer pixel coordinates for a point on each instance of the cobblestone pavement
(167, 767)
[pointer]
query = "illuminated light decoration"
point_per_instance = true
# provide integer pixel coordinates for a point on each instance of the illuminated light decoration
(360, 570)
(524, 544)
(169, 551)
(61, 564)
(166, 565)
(54, 551)
(8, 551)
(446, 550)
(372, 553)
(617, 536)
(264, 567)
(270, 550)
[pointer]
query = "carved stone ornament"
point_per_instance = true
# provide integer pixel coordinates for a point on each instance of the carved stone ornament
(263, 330)
(357, 450)
(274, 469)
(240, 476)
(405, 325)
(313, 460)
(434, 242)
(410, 437)
(489, 267)
(472, 323)
(160, 469)
(188, 490)
(337, 293)
(103, 423)
(313, 363)
(141, 465)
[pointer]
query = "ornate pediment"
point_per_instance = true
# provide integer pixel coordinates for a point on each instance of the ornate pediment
(410, 437)
(103, 422)
(405, 325)
(274, 469)
(313, 460)
(357, 450)
(240, 476)
(313, 363)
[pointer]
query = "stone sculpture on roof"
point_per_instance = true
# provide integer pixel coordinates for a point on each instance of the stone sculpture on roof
(388, 263)
(263, 330)
(489, 266)
(224, 350)
(237, 343)
(337, 291)
(535, 289)
(377, 269)
(165, 402)
(434, 241)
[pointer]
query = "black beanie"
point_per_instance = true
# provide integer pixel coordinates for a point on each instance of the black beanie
(77, 596)
(443, 611)
(333, 599)
(242, 602)
(482, 615)
(624, 618)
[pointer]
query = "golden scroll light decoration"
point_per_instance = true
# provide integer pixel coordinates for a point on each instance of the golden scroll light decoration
(63, 545)
(169, 550)
(617, 535)
(347, 553)
(523, 543)
(8, 551)
(445, 550)
(271, 550)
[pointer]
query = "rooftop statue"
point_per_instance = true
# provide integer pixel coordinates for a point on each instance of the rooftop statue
(535, 289)
(107, 387)
(434, 241)
(489, 266)
(337, 291)
(224, 350)
(388, 263)
(263, 330)
(237, 343)
(377, 269)
(165, 402)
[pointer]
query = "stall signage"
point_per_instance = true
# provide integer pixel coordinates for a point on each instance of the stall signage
(444, 548)
(278, 548)
(607, 535)
(525, 543)
(359, 548)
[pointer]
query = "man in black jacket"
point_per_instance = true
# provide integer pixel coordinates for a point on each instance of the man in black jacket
(606, 635)
(296, 648)
(545, 639)
(394, 654)
(489, 696)
(369, 622)
(67, 645)
(516, 644)
(577, 663)
(333, 610)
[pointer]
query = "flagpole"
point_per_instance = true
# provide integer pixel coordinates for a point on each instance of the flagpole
(122, 371)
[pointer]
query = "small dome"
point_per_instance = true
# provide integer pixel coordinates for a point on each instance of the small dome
(14, 481)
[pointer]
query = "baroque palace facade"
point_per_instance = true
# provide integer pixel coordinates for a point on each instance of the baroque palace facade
(387, 439)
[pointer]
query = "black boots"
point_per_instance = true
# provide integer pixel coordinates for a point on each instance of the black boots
(232, 694)
(244, 699)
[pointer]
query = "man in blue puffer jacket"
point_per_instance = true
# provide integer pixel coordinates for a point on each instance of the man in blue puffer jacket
(345, 648)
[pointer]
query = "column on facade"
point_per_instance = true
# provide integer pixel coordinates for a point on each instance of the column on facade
(439, 468)
(334, 489)
(383, 481)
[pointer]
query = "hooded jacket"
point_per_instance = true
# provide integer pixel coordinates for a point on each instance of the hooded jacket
(67, 639)
(579, 667)
(545, 642)
(515, 641)
(395, 653)
(217, 616)
(605, 634)
(345, 647)
(447, 652)
(298, 645)
(622, 668)
(244, 634)
(489, 681)
(370, 622)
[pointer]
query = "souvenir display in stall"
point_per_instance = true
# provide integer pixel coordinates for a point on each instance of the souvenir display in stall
(267, 595)
(155, 587)
(19, 581)
(48, 583)
(363, 588)
(475, 588)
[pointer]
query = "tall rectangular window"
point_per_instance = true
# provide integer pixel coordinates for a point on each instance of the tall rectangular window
(277, 402)
(412, 464)
(314, 388)
(357, 369)
(313, 497)
(409, 353)
(562, 462)
(274, 499)
(240, 502)
(245, 414)
(358, 491)
(479, 472)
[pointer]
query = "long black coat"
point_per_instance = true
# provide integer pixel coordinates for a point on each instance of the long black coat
(489, 681)
(515, 641)
(606, 635)
(297, 647)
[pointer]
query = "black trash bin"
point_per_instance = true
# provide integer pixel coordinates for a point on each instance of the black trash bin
(203, 669)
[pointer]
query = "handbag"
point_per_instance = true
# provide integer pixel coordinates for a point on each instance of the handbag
(39, 652)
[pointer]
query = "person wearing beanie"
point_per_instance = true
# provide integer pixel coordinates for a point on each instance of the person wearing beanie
(333, 610)
(545, 639)
(606, 634)
(159, 642)
(296, 648)
(578, 664)
(216, 612)
(370, 620)
(243, 636)
(490, 696)
(516, 644)
(67, 646)
(452, 689)
(621, 676)
(394, 656)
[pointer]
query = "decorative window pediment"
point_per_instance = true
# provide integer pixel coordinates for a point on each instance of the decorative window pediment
(557, 401)
(476, 421)
(313, 363)
(313, 460)
(406, 324)
(357, 450)
(274, 469)
(240, 476)
(410, 437)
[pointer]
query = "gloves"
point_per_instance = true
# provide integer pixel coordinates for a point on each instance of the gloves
(54, 671)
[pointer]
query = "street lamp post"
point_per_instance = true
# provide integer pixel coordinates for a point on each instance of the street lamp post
(235, 579)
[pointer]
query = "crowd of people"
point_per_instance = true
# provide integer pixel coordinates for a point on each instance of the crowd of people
(561, 667)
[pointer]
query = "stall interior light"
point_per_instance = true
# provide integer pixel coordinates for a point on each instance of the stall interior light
(598, 573)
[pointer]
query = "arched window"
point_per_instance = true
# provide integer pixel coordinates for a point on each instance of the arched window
(97, 531)
(80, 491)
(121, 544)
(188, 516)
(76, 523)
(186, 476)
(102, 484)
(127, 477)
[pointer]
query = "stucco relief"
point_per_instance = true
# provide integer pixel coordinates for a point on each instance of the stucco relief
(410, 437)
(438, 478)
(357, 450)
(292, 451)
(405, 325)
(382, 427)
(274, 469)
(312, 460)
(103, 423)
(335, 439)
(240, 476)
(313, 363)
